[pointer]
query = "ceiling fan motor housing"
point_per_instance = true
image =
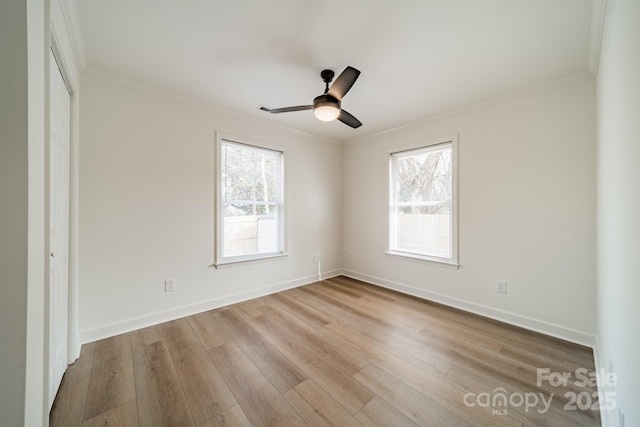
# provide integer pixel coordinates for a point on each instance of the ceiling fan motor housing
(325, 101)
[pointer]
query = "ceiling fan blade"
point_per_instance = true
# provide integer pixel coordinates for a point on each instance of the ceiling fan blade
(346, 118)
(343, 83)
(286, 109)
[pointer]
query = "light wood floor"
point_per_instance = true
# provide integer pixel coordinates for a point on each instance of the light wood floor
(337, 352)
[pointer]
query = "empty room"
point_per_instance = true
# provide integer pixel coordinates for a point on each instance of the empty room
(348, 213)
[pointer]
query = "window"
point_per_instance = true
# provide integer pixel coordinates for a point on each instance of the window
(422, 202)
(250, 201)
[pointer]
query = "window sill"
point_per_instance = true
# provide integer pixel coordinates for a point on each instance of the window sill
(239, 261)
(423, 259)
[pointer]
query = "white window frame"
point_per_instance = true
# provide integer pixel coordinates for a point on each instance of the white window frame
(445, 262)
(220, 259)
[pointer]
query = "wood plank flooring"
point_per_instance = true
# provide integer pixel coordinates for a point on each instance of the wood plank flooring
(334, 353)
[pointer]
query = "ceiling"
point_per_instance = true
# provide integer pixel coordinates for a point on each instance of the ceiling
(418, 58)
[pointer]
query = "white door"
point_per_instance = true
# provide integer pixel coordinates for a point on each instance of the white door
(60, 115)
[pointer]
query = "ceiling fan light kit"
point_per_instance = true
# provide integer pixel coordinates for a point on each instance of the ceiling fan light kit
(327, 107)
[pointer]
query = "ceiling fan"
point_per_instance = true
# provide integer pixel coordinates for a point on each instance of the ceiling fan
(326, 107)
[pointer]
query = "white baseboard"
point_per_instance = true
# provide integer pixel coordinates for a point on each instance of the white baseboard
(139, 322)
(537, 325)
(131, 324)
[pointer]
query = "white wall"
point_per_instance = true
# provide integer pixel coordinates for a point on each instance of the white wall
(22, 212)
(618, 119)
(13, 210)
(526, 211)
(147, 208)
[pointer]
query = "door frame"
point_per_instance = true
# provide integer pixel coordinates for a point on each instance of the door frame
(73, 337)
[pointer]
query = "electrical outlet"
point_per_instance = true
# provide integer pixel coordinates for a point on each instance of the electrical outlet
(501, 287)
(315, 259)
(350, 256)
(170, 285)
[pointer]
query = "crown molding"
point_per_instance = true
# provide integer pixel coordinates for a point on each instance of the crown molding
(169, 95)
(496, 100)
(72, 20)
(595, 41)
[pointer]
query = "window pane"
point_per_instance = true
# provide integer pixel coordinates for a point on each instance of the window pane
(426, 230)
(421, 215)
(249, 174)
(246, 234)
(424, 176)
(251, 201)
